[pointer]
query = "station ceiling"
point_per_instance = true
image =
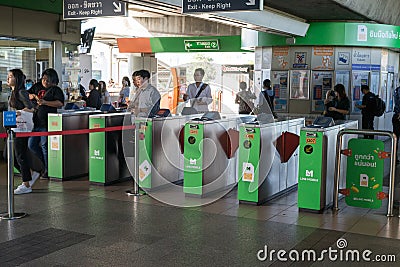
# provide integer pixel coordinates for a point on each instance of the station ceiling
(316, 10)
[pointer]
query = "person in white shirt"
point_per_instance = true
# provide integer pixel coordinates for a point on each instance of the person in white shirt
(146, 101)
(199, 93)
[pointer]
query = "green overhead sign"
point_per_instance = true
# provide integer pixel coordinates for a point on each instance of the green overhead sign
(339, 34)
(202, 45)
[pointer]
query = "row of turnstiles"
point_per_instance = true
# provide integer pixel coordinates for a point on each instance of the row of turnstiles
(202, 153)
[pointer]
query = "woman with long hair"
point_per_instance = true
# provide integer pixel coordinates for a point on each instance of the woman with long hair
(19, 100)
(342, 107)
(105, 95)
(94, 98)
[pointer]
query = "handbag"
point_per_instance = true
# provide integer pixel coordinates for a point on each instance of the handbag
(24, 122)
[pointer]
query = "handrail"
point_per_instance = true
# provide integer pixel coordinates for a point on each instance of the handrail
(393, 152)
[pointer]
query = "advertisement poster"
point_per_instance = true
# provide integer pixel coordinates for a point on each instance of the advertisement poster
(358, 78)
(323, 58)
(299, 84)
(321, 83)
(364, 174)
(343, 77)
(300, 60)
(279, 80)
(280, 58)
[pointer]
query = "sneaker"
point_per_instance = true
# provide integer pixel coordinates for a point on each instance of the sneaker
(22, 189)
(35, 176)
(44, 175)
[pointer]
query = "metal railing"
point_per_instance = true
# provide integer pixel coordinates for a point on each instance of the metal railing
(393, 152)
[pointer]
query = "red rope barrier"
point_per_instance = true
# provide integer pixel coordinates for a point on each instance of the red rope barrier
(72, 132)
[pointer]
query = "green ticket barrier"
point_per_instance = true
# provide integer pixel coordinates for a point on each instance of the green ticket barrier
(68, 154)
(55, 147)
(364, 174)
(248, 169)
(97, 151)
(193, 159)
(145, 127)
(311, 177)
(107, 156)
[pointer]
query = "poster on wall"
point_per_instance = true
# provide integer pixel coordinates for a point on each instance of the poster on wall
(280, 58)
(323, 58)
(321, 83)
(358, 78)
(279, 82)
(300, 60)
(299, 84)
(343, 77)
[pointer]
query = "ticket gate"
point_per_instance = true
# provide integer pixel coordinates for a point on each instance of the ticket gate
(160, 161)
(68, 154)
(209, 147)
(317, 164)
(108, 150)
(268, 159)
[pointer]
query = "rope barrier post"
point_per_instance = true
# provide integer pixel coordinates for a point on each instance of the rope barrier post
(11, 215)
(135, 192)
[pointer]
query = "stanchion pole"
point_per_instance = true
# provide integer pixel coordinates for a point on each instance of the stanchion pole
(10, 172)
(135, 191)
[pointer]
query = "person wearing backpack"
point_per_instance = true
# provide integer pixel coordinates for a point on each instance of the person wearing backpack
(266, 99)
(367, 110)
(396, 116)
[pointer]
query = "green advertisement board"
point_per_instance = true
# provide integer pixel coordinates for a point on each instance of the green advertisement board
(145, 142)
(364, 174)
(54, 147)
(248, 168)
(193, 159)
(311, 160)
(97, 151)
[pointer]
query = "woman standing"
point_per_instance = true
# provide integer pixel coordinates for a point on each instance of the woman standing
(105, 95)
(19, 100)
(124, 93)
(342, 107)
(94, 98)
(245, 99)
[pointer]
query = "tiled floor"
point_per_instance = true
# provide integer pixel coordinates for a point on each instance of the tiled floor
(128, 231)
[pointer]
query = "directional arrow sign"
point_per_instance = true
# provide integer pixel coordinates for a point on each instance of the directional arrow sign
(204, 6)
(80, 9)
(202, 45)
(118, 7)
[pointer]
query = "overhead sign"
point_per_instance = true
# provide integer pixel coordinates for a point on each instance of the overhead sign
(201, 45)
(204, 6)
(80, 9)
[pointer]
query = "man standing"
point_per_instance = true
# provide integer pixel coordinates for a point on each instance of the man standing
(367, 121)
(267, 99)
(199, 93)
(146, 101)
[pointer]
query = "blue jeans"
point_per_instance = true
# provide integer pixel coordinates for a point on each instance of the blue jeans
(38, 145)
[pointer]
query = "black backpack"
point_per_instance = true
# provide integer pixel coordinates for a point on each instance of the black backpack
(379, 106)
